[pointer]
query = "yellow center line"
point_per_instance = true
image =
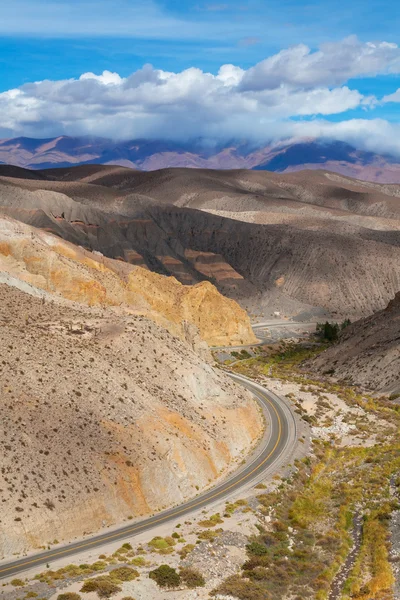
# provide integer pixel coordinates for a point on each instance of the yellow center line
(160, 519)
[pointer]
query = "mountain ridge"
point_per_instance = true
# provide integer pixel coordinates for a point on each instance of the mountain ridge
(149, 155)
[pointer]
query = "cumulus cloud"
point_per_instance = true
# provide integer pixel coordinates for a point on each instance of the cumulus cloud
(269, 101)
(333, 64)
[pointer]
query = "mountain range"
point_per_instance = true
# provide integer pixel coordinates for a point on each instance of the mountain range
(150, 155)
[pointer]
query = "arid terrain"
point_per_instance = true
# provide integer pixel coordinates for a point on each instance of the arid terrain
(106, 416)
(307, 243)
(114, 283)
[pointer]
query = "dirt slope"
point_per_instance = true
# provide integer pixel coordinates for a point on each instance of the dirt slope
(368, 352)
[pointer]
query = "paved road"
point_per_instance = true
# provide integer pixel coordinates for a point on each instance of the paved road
(276, 323)
(277, 443)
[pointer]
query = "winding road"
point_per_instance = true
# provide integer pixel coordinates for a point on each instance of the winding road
(276, 446)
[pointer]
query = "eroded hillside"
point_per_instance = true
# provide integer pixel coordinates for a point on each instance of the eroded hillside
(105, 417)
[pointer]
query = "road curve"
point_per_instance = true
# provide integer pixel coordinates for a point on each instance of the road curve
(272, 451)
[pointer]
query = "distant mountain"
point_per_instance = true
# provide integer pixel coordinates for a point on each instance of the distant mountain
(150, 155)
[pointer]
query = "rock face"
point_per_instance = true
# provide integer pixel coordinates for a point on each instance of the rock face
(51, 264)
(105, 415)
(368, 352)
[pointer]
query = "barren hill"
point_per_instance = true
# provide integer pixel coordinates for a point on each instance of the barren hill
(105, 416)
(298, 243)
(368, 352)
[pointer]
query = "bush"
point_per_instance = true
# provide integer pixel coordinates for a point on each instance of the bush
(192, 578)
(103, 586)
(159, 543)
(97, 566)
(241, 588)
(256, 548)
(124, 574)
(17, 582)
(139, 561)
(186, 550)
(69, 596)
(165, 576)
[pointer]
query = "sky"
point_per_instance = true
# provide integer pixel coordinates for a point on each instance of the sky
(263, 71)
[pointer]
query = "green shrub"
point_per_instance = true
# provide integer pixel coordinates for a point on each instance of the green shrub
(17, 582)
(192, 578)
(165, 576)
(256, 548)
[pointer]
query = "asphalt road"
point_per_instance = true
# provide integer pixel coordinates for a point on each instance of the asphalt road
(277, 443)
(276, 323)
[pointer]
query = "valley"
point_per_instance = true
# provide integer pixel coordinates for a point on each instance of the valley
(160, 365)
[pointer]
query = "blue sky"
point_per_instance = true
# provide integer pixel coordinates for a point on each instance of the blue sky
(60, 40)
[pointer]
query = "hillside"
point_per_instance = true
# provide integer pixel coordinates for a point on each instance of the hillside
(124, 419)
(150, 155)
(50, 264)
(309, 243)
(368, 352)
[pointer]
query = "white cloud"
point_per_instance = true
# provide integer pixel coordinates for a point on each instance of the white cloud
(107, 78)
(291, 86)
(395, 97)
(333, 64)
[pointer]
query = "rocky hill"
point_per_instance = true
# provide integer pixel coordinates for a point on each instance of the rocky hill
(48, 263)
(149, 155)
(368, 352)
(302, 243)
